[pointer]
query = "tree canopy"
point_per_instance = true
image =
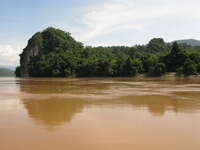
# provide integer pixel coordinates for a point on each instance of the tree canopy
(61, 55)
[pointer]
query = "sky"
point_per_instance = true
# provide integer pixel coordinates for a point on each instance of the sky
(96, 22)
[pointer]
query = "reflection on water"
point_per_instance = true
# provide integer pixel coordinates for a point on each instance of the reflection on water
(110, 111)
(56, 111)
(158, 104)
(55, 108)
(52, 112)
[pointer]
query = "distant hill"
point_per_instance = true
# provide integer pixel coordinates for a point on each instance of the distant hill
(4, 72)
(8, 67)
(191, 42)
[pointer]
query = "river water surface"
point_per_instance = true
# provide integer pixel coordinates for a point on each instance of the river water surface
(100, 114)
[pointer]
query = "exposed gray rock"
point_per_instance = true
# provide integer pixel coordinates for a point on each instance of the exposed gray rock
(33, 49)
(25, 59)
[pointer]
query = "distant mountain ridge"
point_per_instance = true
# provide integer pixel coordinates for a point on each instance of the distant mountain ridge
(8, 67)
(192, 42)
(4, 72)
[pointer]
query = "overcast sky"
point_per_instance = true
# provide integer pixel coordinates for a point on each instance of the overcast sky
(96, 22)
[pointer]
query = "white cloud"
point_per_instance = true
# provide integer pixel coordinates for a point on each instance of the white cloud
(9, 55)
(141, 19)
(118, 15)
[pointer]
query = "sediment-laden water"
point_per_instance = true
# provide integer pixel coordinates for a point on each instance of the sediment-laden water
(100, 114)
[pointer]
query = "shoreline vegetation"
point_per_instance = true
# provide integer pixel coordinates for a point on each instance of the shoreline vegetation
(54, 53)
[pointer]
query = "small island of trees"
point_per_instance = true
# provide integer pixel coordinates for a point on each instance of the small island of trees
(61, 56)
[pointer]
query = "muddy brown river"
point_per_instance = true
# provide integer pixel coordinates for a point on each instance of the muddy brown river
(100, 113)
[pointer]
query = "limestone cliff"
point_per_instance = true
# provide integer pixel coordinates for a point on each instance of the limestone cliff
(40, 57)
(33, 49)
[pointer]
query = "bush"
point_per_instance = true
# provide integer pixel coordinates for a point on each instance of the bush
(189, 68)
(55, 73)
(158, 70)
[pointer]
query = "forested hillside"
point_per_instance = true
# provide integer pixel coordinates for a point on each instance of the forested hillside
(54, 53)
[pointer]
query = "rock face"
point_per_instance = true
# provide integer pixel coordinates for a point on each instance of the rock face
(25, 59)
(33, 49)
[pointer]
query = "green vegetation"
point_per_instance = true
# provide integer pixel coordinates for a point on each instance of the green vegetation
(61, 56)
(4, 72)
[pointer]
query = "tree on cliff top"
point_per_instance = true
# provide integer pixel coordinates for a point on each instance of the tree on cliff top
(58, 40)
